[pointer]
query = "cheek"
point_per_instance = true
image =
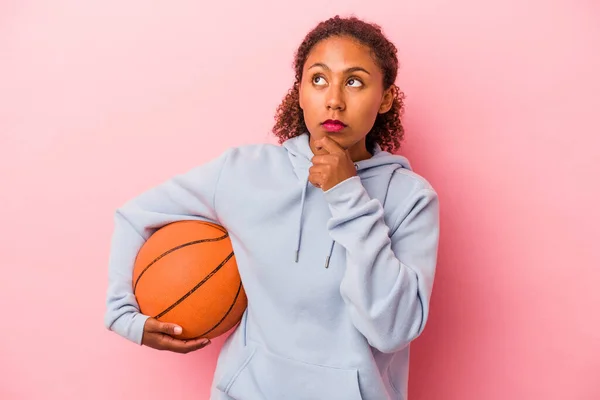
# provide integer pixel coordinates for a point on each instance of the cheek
(375, 100)
(302, 95)
(369, 107)
(307, 103)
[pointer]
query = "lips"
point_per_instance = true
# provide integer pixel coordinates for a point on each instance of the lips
(333, 125)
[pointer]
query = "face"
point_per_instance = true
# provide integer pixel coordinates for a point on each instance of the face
(342, 92)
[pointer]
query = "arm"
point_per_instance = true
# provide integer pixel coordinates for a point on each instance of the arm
(188, 196)
(388, 279)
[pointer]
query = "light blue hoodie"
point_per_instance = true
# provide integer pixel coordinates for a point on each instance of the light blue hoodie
(338, 282)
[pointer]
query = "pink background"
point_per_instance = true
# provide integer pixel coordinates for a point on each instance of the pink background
(101, 100)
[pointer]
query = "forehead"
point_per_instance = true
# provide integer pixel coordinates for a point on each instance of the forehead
(340, 53)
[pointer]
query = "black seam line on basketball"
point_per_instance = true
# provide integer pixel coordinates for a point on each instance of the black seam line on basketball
(172, 250)
(222, 319)
(227, 313)
(220, 228)
(188, 294)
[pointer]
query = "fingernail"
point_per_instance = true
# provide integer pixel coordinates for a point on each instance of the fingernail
(206, 342)
(178, 330)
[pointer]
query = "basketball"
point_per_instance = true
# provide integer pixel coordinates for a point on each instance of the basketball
(186, 273)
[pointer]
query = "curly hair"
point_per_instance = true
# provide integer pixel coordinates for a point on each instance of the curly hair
(387, 130)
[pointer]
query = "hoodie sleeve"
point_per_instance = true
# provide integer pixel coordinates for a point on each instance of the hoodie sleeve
(389, 273)
(188, 196)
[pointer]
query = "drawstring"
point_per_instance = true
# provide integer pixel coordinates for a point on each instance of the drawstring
(300, 229)
(330, 252)
(300, 219)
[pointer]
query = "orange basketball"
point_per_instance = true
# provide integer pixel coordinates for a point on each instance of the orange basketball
(186, 273)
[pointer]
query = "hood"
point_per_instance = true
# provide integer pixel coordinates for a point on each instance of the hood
(300, 154)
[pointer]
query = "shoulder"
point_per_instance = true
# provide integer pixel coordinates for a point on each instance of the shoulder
(254, 151)
(405, 182)
(409, 191)
(250, 156)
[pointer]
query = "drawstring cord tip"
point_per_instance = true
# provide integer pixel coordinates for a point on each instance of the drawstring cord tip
(327, 262)
(297, 252)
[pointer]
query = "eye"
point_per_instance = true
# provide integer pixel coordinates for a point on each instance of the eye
(318, 80)
(354, 82)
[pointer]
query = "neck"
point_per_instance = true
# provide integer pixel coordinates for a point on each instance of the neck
(359, 151)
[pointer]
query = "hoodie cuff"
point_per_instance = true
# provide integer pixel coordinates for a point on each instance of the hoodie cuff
(346, 195)
(131, 327)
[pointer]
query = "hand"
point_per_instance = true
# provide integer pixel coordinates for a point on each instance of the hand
(331, 168)
(159, 335)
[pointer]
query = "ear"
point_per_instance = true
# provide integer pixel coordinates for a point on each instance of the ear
(388, 100)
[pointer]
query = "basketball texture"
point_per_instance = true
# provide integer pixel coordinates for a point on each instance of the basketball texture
(186, 273)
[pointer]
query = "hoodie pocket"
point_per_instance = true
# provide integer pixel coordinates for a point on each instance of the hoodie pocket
(262, 375)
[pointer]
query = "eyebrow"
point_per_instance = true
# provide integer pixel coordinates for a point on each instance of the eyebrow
(348, 70)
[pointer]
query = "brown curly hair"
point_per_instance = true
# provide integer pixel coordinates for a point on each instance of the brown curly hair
(387, 130)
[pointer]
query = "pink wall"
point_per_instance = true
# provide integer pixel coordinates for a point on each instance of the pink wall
(100, 100)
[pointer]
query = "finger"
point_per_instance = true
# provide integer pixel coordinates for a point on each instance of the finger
(320, 172)
(183, 346)
(198, 344)
(164, 327)
(329, 145)
(319, 169)
(316, 179)
(323, 159)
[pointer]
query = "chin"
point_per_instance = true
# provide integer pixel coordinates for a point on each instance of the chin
(339, 139)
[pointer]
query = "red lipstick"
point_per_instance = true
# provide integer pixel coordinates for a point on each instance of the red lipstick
(333, 125)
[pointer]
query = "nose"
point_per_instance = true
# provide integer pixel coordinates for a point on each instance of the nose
(335, 99)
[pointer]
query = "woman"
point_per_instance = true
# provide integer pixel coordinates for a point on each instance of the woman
(335, 237)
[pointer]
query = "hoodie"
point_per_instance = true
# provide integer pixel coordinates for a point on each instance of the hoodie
(338, 282)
